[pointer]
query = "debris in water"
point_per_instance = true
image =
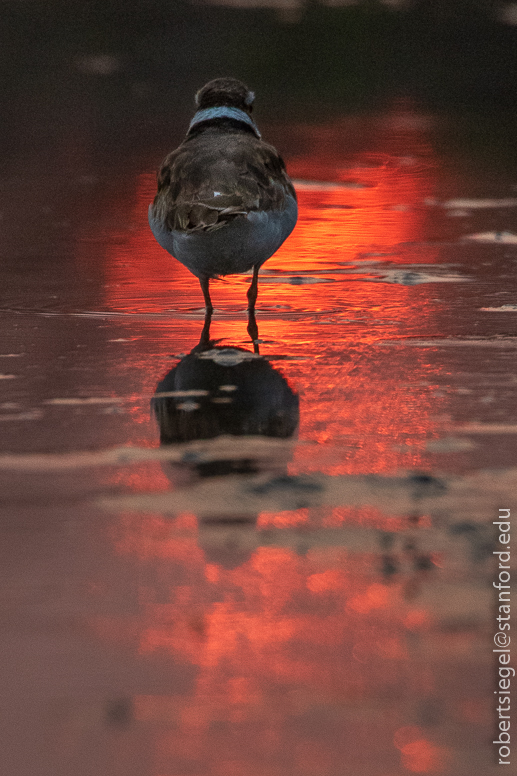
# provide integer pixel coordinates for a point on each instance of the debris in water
(497, 237)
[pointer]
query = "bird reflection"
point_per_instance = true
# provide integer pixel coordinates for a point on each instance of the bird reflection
(224, 390)
(216, 391)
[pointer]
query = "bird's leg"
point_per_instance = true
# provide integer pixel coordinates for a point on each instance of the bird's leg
(204, 281)
(252, 298)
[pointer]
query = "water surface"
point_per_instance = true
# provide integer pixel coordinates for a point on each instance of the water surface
(313, 602)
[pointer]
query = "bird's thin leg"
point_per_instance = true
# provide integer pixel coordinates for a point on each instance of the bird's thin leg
(204, 281)
(252, 298)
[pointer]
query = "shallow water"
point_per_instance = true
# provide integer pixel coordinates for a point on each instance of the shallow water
(310, 602)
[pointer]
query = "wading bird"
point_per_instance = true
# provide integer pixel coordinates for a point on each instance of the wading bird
(225, 203)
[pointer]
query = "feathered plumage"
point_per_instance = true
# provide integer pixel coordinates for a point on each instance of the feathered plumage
(207, 189)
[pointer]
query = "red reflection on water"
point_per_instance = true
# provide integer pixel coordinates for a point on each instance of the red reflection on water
(366, 402)
(285, 634)
(273, 640)
(424, 757)
(418, 754)
(367, 409)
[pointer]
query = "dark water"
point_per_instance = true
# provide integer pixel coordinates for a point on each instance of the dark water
(313, 603)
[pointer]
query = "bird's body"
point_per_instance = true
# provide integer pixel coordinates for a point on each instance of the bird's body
(224, 218)
(225, 203)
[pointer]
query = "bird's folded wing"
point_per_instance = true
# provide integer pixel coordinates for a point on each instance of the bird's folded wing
(205, 190)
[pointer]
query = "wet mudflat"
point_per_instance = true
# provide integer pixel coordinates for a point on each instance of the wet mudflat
(297, 580)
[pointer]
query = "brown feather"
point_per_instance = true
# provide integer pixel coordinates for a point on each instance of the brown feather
(247, 174)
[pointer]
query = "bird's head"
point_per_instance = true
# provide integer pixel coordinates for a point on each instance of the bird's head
(225, 91)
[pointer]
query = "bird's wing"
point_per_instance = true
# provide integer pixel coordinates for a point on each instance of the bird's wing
(208, 182)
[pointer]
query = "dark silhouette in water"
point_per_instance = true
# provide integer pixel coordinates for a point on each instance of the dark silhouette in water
(224, 390)
(218, 391)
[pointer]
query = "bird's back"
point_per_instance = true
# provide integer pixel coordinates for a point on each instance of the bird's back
(218, 176)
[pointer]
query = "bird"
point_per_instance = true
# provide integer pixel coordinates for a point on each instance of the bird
(225, 202)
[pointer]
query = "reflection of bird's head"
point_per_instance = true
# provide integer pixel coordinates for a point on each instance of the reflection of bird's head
(224, 391)
(225, 91)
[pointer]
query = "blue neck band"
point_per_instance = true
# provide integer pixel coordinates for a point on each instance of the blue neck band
(224, 112)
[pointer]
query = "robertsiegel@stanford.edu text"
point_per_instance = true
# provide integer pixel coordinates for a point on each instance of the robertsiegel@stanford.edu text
(502, 639)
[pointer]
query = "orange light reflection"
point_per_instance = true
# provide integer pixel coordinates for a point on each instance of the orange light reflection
(283, 634)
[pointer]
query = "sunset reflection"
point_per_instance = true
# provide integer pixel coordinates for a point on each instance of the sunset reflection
(307, 658)
(273, 640)
(323, 301)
